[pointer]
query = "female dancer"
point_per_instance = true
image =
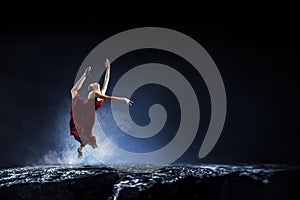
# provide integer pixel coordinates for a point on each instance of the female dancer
(83, 111)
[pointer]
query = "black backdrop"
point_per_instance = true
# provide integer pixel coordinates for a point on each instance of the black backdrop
(256, 55)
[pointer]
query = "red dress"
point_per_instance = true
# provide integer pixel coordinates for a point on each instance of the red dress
(83, 118)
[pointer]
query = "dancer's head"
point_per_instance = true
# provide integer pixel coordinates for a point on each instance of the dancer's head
(94, 87)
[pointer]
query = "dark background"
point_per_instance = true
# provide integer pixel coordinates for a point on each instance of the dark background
(256, 53)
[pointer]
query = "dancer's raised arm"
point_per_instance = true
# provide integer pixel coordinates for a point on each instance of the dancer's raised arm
(79, 83)
(99, 95)
(106, 79)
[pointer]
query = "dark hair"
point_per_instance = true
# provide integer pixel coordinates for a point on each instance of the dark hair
(90, 88)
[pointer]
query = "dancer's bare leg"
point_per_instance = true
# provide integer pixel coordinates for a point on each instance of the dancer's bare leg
(79, 150)
(79, 83)
(81, 147)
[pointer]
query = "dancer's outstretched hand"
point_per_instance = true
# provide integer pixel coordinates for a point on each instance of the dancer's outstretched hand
(87, 71)
(107, 63)
(128, 101)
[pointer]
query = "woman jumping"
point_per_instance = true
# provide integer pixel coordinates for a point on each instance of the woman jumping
(83, 110)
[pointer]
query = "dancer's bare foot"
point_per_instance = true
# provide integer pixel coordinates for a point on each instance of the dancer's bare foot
(79, 153)
(79, 150)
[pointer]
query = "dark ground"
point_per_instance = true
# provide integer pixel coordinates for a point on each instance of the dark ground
(177, 182)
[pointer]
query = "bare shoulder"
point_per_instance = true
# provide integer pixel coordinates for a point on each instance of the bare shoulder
(97, 95)
(91, 95)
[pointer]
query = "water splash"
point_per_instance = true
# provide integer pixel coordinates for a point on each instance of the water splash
(65, 152)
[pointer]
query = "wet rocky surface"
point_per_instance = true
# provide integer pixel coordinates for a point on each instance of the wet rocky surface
(172, 182)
